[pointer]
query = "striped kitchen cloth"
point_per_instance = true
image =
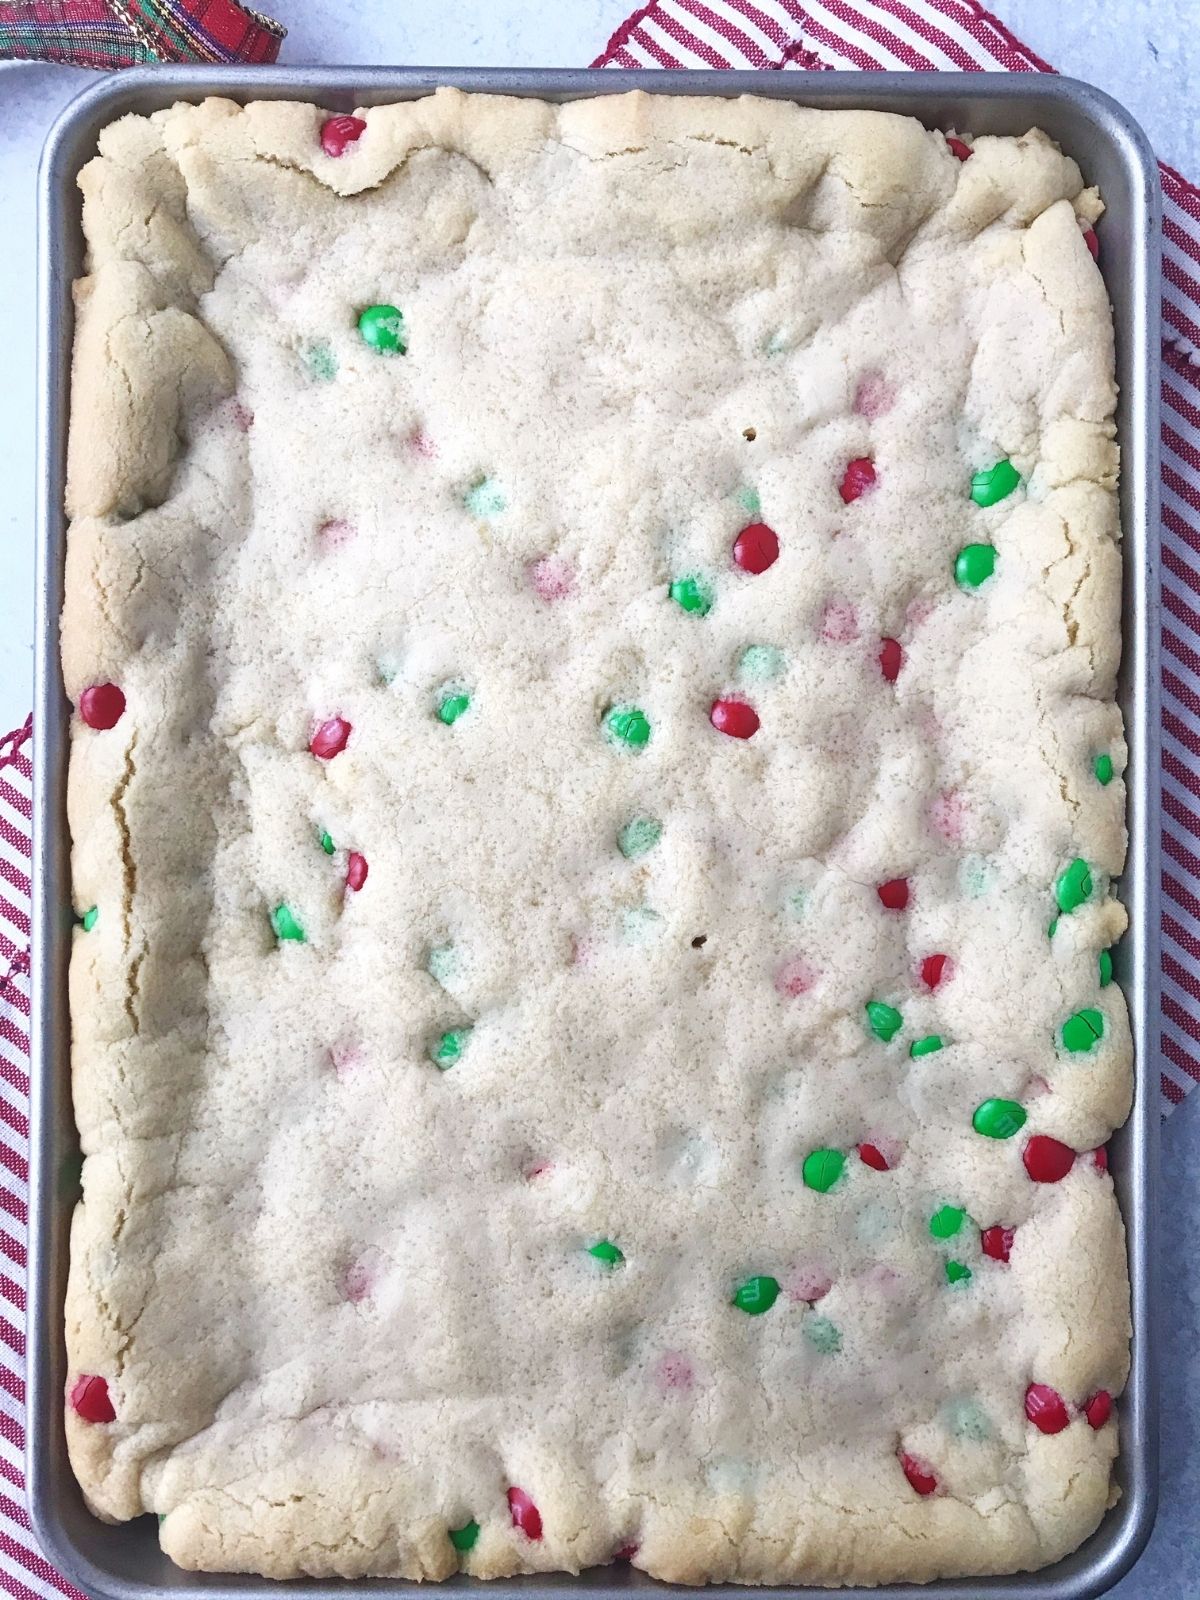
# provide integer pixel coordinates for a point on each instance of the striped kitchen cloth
(949, 35)
(126, 33)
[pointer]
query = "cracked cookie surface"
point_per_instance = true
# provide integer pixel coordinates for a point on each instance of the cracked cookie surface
(596, 798)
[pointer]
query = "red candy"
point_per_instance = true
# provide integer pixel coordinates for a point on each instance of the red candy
(873, 397)
(552, 577)
(756, 548)
(795, 977)
(734, 717)
(330, 738)
(356, 1283)
(1098, 1409)
(525, 1515)
(933, 970)
(891, 659)
(1046, 1408)
(333, 535)
(1100, 1158)
(872, 1156)
(996, 1242)
(958, 148)
(627, 1552)
(90, 1399)
(338, 132)
(675, 1371)
(919, 1474)
(858, 477)
(839, 622)
(809, 1283)
(948, 815)
(356, 870)
(893, 894)
(1093, 244)
(344, 1058)
(1047, 1160)
(102, 705)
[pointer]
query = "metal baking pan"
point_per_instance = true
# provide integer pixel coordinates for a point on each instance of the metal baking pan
(125, 1561)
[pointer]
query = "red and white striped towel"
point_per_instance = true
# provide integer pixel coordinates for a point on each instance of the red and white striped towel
(24, 1571)
(946, 35)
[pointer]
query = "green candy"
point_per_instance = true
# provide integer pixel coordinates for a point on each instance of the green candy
(748, 498)
(627, 725)
(1105, 968)
(692, 594)
(463, 1539)
(756, 1295)
(974, 564)
(639, 835)
(606, 1252)
(822, 1335)
(1074, 886)
(485, 499)
(451, 705)
(956, 1272)
(448, 1048)
(945, 1222)
(1082, 1031)
(974, 876)
(760, 663)
(320, 362)
(90, 918)
(822, 1169)
(285, 925)
(994, 483)
(1052, 928)
(796, 903)
(998, 1119)
(326, 843)
(641, 925)
(883, 1020)
(927, 1046)
(442, 963)
(1102, 766)
(966, 1420)
(382, 327)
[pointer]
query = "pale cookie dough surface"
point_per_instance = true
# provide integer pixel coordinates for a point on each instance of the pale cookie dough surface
(341, 1295)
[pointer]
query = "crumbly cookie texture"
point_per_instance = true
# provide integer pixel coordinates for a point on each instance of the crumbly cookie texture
(564, 714)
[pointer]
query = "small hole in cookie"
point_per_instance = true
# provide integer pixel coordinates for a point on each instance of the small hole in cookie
(750, 433)
(699, 941)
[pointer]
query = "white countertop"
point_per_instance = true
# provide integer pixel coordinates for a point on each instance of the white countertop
(1151, 62)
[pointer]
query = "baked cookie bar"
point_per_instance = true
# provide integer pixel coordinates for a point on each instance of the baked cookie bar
(596, 792)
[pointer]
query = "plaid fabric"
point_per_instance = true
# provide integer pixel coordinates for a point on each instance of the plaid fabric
(125, 33)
